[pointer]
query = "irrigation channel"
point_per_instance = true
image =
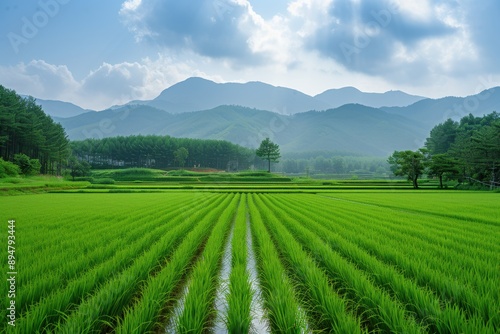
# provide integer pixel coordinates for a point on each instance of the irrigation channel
(231, 262)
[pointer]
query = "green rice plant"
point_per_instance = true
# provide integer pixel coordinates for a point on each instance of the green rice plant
(110, 300)
(421, 302)
(475, 290)
(442, 242)
(447, 232)
(72, 265)
(41, 287)
(157, 291)
(456, 205)
(279, 296)
(388, 245)
(385, 313)
(93, 262)
(69, 223)
(326, 309)
(52, 307)
(58, 271)
(199, 301)
(240, 294)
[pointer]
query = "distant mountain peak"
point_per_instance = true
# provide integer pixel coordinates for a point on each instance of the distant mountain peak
(60, 109)
(194, 94)
(346, 95)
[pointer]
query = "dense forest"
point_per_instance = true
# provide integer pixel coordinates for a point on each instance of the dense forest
(467, 151)
(29, 136)
(25, 130)
(162, 152)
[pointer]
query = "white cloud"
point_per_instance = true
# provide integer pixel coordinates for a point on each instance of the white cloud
(107, 85)
(436, 48)
(218, 29)
(39, 78)
(130, 5)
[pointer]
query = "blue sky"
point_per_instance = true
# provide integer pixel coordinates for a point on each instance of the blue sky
(99, 53)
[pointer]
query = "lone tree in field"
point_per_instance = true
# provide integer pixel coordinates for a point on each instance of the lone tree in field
(411, 164)
(268, 151)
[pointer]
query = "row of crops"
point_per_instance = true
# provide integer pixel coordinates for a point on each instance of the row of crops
(193, 262)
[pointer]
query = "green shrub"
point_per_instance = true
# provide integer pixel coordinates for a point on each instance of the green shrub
(26, 165)
(8, 169)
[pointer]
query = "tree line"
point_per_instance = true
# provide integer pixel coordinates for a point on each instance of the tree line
(27, 132)
(467, 151)
(162, 152)
(32, 143)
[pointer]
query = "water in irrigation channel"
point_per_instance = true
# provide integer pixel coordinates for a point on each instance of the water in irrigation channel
(178, 309)
(220, 298)
(259, 322)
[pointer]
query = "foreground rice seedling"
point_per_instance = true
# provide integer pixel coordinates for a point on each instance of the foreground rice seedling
(335, 261)
(279, 297)
(198, 305)
(326, 309)
(145, 315)
(239, 296)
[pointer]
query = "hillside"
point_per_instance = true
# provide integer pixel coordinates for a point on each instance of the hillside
(353, 128)
(200, 94)
(350, 127)
(125, 121)
(194, 94)
(59, 108)
(431, 112)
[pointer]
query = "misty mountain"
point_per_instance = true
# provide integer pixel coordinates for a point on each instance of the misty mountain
(338, 97)
(431, 112)
(124, 121)
(59, 108)
(353, 128)
(196, 94)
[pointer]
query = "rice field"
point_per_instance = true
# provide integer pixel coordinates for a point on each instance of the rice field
(253, 262)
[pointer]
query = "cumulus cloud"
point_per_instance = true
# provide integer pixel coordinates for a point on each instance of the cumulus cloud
(481, 21)
(427, 47)
(216, 29)
(399, 40)
(365, 35)
(107, 85)
(39, 78)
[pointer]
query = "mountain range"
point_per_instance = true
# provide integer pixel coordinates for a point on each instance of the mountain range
(195, 94)
(343, 119)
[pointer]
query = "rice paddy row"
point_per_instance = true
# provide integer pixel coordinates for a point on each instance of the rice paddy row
(196, 262)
